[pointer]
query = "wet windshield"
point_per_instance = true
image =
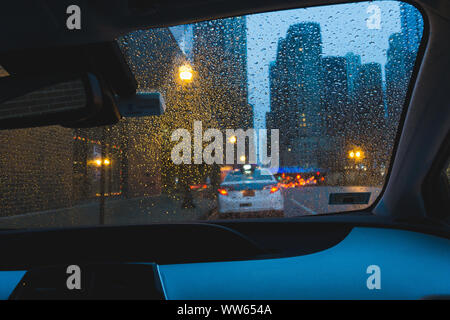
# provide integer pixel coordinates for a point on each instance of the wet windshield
(312, 96)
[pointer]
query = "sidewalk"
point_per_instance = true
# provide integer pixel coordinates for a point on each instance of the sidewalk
(146, 210)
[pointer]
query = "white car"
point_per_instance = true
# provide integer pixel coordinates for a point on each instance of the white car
(250, 190)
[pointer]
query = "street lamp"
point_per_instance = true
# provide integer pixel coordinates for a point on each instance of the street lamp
(98, 162)
(185, 73)
(355, 154)
(232, 139)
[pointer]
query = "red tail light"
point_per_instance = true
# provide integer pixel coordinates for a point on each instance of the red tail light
(273, 189)
(223, 192)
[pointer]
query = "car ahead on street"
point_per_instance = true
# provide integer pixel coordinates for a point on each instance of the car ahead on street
(250, 190)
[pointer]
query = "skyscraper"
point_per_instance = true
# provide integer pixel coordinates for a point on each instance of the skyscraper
(401, 55)
(220, 59)
(335, 111)
(353, 65)
(296, 103)
(398, 73)
(335, 94)
(411, 26)
(367, 125)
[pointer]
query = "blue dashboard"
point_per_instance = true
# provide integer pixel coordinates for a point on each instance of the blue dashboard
(410, 265)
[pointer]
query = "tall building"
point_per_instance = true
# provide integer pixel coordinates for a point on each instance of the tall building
(353, 66)
(68, 172)
(398, 73)
(367, 127)
(335, 111)
(401, 55)
(295, 81)
(412, 26)
(335, 94)
(220, 60)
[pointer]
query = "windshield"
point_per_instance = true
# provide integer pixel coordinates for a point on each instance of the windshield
(312, 96)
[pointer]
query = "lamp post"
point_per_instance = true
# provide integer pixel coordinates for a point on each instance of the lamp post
(357, 155)
(102, 177)
(185, 76)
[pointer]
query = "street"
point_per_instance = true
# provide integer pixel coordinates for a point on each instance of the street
(165, 209)
(144, 210)
(314, 200)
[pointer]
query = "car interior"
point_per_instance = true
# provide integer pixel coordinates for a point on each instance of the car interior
(405, 230)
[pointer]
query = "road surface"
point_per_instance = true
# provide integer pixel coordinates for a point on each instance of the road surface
(314, 200)
(163, 209)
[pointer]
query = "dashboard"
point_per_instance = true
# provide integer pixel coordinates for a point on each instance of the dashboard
(354, 262)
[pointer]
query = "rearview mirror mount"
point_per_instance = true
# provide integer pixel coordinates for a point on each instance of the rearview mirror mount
(142, 104)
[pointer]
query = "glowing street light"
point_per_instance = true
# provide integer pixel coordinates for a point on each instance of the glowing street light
(355, 154)
(185, 72)
(242, 158)
(98, 162)
(232, 139)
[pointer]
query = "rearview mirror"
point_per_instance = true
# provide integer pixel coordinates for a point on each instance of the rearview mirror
(53, 100)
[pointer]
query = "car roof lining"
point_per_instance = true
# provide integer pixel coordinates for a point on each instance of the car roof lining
(104, 21)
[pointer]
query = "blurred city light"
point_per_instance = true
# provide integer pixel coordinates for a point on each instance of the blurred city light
(232, 139)
(185, 72)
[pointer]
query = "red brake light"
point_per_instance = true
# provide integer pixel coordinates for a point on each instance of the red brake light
(223, 192)
(273, 189)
